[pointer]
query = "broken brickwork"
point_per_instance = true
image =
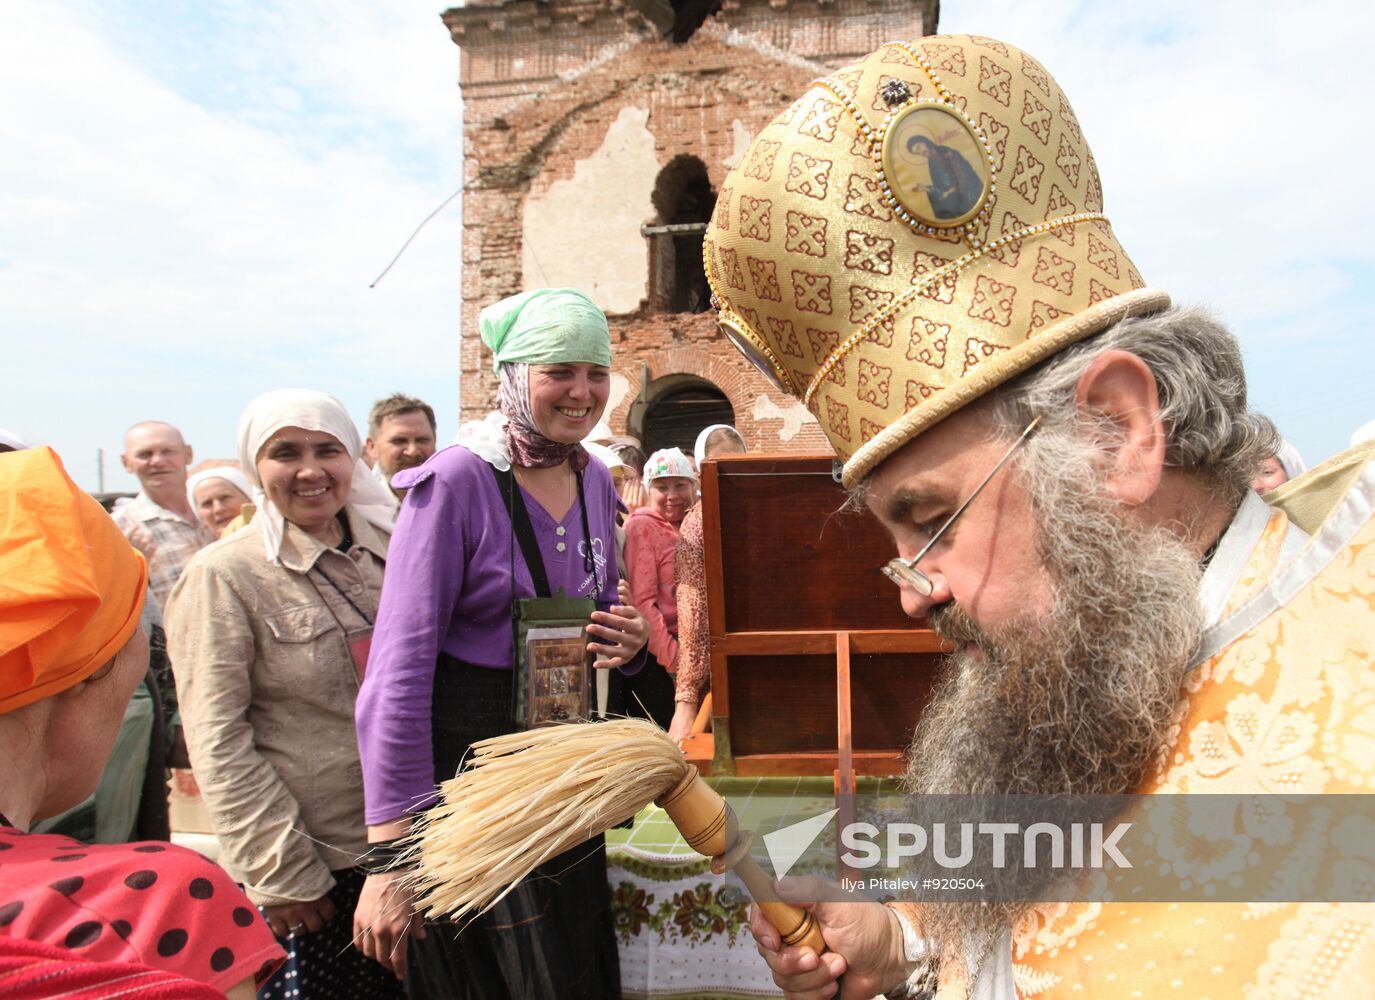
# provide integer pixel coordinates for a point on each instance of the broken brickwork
(584, 122)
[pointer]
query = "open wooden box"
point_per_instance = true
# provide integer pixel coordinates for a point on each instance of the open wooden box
(815, 668)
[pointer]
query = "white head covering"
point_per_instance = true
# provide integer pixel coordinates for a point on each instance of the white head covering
(231, 474)
(1290, 458)
(699, 450)
(606, 456)
(600, 434)
(486, 438)
(312, 411)
(12, 440)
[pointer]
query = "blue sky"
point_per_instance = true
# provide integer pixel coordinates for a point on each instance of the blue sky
(195, 196)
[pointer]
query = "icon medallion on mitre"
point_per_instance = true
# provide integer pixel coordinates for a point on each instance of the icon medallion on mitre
(935, 166)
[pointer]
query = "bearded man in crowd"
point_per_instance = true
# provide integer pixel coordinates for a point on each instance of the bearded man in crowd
(1064, 463)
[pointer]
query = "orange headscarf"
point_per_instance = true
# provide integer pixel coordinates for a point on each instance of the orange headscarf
(71, 586)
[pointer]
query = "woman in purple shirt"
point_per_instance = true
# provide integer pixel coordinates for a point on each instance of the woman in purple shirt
(440, 670)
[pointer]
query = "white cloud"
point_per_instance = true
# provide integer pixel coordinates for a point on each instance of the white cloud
(168, 252)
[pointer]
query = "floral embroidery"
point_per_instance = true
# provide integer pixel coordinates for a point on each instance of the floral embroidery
(1256, 748)
(694, 915)
(630, 910)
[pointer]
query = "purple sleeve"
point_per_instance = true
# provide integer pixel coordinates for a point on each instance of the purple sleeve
(419, 593)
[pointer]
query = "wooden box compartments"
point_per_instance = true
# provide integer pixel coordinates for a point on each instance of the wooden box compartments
(815, 668)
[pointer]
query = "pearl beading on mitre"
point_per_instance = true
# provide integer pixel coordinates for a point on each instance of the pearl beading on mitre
(850, 106)
(722, 307)
(874, 140)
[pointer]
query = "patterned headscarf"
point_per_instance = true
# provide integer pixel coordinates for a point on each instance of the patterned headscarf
(546, 326)
(528, 446)
(667, 463)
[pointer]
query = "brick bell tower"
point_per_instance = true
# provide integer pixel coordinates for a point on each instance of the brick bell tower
(596, 136)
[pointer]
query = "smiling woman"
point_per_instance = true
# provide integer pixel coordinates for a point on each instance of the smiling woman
(514, 512)
(307, 475)
(651, 539)
(268, 631)
(218, 494)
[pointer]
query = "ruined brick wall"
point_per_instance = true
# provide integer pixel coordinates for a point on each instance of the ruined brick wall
(572, 107)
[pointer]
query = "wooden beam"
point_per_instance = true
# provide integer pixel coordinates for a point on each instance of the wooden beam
(867, 764)
(916, 640)
(845, 773)
(699, 724)
(723, 760)
(844, 731)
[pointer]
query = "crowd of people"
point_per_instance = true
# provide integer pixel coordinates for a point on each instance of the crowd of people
(327, 670)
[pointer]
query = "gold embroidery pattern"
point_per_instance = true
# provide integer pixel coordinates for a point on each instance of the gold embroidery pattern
(1288, 707)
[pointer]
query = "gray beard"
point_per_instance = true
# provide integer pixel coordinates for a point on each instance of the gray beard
(1075, 701)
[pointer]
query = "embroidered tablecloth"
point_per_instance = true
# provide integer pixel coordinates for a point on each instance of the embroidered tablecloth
(684, 931)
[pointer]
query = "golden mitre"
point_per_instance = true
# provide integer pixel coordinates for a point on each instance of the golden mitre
(917, 228)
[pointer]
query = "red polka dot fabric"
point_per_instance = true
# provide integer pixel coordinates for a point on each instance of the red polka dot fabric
(151, 904)
(33, 971)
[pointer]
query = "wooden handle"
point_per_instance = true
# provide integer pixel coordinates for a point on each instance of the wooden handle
(795, 925)
(704, 819)
(709, 826)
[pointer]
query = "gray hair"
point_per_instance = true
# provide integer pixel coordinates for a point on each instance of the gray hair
(1209, 431)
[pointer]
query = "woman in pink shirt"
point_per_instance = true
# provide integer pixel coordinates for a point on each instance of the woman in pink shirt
(650, 543)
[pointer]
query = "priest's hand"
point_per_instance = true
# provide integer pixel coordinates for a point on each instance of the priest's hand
(863, 940)
(385, 920)
(621, 633)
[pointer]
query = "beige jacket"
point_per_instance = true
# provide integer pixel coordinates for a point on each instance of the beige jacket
(267, 686)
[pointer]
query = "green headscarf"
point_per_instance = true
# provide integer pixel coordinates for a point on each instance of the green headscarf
(546, 326)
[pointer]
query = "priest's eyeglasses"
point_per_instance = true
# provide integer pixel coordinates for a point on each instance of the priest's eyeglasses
(904, 572)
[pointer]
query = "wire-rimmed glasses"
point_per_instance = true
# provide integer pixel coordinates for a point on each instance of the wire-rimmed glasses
(904, 572)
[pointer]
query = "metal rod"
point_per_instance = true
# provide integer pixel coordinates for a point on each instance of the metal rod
(675, 229)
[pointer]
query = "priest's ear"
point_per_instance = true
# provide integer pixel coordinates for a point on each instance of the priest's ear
(1120, 389)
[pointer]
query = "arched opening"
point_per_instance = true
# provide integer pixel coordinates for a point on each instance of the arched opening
(677, 19)
(689, 15)
(674, 410)
(683, 199)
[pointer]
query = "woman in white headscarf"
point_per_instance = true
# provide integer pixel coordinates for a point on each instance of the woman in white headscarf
(717, 439)
(217, 496)
(1284, 465)
(268, 631)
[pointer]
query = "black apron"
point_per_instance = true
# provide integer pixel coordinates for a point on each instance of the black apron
(552, 936)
